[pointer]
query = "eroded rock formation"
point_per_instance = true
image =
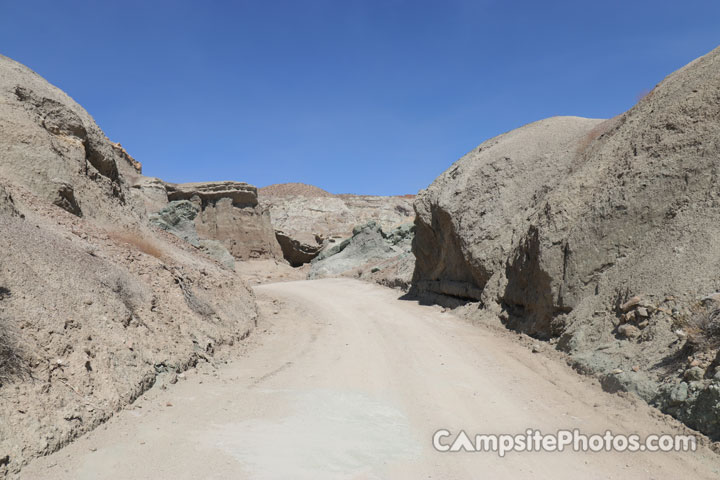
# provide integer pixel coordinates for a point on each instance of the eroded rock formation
(229, 213)
(95, 305)
(558, 224)
(308, 218)
(300, 248)
(53, 147)
(370, 253)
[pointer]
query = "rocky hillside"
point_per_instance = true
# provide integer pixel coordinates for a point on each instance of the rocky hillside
(53, 147)
(600, 236)
(307, 219)
(96, 304)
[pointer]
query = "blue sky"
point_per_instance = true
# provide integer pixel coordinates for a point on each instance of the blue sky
(374, 97)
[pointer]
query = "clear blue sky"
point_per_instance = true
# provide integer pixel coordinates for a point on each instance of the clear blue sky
(375, 97)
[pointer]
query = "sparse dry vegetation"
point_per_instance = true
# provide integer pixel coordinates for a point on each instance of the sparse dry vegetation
(597, 132)
(703, 328)
(11, 361)
(140, 242)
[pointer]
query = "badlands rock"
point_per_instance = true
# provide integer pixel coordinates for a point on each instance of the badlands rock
(293, 190)
(51, 145)
(230, 214)
(7, 206)
(178, 218)
(152, 192)
(308, 217)
(95, 306)
(363, 252)
(336, 216)
(393, 272)
(239, 194)
(99, 316)
(299, 248)
(558, 224)
(470, 217)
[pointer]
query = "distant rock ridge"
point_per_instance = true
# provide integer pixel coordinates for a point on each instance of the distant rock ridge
(294, 189)
(306, 222)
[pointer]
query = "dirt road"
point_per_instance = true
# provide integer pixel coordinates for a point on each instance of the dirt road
(348, 381)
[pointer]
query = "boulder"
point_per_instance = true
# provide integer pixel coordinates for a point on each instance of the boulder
(628, 331)
(300, 248)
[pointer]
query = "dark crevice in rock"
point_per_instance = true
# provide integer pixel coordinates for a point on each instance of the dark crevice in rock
(441, 267)
(66, 199)
(295, 251)
(102, 163)
(528, 298)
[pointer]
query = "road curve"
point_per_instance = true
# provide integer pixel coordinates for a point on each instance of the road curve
(345, 380)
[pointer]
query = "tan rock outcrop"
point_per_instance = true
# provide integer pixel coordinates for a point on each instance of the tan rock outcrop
(299, 248)
(230, 214)
(307, 217)
(96, 307)
(152, 192)
(557, 225)
(52, 145)
(336, 216)
(470, 217)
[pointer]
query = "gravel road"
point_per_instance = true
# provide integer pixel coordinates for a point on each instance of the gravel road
(343, 379)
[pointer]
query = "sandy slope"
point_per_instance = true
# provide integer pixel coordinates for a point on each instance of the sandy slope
(347, 381)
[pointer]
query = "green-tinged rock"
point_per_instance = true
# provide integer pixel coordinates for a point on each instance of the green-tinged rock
(178, 218)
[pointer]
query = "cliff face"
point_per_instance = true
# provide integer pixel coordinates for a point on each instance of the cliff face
(230, 214)
(52, 146)
(96, 306)
(468, 219)
(558, 226)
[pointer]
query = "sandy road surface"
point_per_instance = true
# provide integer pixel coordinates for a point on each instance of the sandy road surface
(347, 381)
